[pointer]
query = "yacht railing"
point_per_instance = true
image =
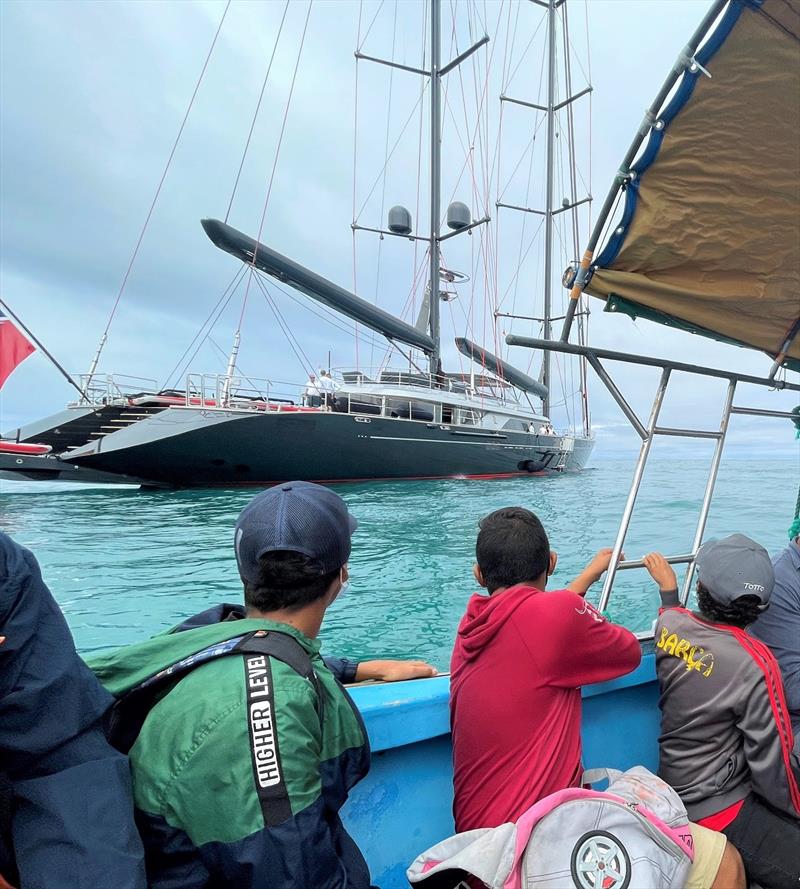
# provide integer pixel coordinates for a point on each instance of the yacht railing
(353, 392)
(471, 387)
(114, 388)
(220, 392)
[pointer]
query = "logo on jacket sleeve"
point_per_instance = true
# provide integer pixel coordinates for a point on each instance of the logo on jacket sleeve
(588, 608)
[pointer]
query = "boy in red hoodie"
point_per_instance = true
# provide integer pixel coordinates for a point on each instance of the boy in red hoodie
(520, 659)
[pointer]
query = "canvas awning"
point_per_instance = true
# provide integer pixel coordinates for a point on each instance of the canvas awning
(710, 234)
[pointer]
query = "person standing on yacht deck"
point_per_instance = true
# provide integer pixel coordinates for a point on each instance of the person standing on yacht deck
(779, 626)
(327, 387)
(312, 394)
(726, 741)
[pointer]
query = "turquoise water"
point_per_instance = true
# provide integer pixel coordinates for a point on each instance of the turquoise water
(125, 564)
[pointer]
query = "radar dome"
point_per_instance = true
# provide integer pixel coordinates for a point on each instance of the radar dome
(458, 216)
(399, 221)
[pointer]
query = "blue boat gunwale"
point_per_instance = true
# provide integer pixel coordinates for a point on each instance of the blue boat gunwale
(423, 704)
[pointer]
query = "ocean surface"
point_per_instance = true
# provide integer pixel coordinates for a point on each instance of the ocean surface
(126, 564)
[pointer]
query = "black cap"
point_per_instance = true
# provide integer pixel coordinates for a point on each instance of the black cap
(298, 517)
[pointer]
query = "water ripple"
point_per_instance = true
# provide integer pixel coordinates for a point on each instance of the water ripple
(125, 564)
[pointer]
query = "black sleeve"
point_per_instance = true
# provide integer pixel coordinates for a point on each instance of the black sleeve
(342, 668)
(669, 598)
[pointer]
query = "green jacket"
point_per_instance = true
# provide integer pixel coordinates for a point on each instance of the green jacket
(236, 781)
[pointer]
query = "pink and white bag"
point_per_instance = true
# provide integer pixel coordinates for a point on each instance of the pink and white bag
(635, 834)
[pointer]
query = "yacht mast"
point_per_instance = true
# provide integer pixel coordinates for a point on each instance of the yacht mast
(548, 229)
(436, 182)
(549, 212)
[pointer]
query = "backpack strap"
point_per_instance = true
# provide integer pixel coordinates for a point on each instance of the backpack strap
(595, 776)
(285, 648)
(128, 713)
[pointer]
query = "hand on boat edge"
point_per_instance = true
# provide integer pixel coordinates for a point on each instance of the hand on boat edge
(394, 671)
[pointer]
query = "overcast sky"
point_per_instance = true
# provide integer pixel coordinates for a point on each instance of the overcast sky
(92, 96)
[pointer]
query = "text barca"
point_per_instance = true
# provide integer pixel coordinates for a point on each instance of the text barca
(696, 658)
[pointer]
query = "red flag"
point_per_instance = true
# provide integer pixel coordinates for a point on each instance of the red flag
(14, 348)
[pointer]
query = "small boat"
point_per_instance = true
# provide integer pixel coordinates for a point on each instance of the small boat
(727, 290)
(24, 448)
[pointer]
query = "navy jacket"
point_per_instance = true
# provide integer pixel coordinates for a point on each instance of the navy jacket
(66, 794)
(779, 626)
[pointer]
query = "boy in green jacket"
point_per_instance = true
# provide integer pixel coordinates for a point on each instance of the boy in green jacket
(239, 771)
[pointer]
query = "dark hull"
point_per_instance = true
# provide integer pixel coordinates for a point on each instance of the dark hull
(190, 448)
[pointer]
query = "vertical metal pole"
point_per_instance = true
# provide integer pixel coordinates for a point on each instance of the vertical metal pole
(436, 181)
(634, 491)
(226, 387)
(95, 361)
(548, 230)
(712, 478)
(573, 196)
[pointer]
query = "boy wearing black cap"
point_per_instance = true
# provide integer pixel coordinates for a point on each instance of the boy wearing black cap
(726, 739)
(240, 770)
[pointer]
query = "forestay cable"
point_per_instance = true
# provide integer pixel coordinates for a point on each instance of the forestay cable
(258, 108)
(155, 198)
(275, 163)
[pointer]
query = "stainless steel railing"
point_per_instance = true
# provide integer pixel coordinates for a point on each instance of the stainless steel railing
(114, 388)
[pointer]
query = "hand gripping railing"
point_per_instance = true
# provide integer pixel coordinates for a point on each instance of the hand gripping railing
(652, 429)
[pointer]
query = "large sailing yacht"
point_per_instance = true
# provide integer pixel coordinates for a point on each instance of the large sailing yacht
(417, 422)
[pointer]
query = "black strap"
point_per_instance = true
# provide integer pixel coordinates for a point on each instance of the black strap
(288, 650)
(129, 711)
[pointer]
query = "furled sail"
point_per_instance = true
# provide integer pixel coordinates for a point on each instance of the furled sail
(289, 272)
(709, 239)
(497, 366)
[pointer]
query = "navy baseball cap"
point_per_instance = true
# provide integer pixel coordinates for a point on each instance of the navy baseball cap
(733, 567)
(300, 517)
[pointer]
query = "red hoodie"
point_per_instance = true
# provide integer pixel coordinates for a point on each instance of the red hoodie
(519, 661)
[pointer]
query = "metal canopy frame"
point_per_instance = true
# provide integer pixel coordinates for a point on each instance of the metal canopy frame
(648, 432)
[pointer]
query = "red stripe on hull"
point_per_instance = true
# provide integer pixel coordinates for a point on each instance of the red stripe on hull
(404, 478)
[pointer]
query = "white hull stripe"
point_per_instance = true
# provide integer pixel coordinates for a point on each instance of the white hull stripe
(448, 441)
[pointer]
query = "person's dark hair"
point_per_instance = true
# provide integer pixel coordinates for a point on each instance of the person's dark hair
(512, 547)
(287, 580)
(740, 613)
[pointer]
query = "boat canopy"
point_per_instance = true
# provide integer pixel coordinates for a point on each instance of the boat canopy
(295, 275)
(497, 366)
(709, 238)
